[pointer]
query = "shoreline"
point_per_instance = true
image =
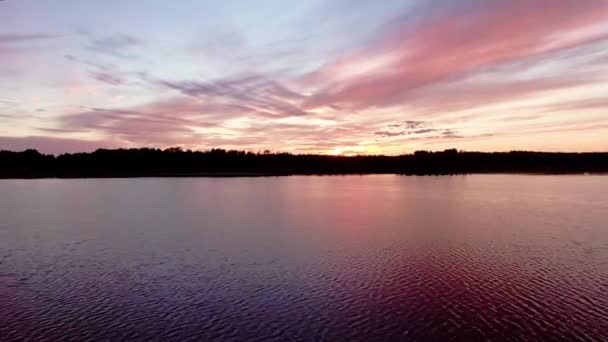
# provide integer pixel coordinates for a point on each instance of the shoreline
(154, 163)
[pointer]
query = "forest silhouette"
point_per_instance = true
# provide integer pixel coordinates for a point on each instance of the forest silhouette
(175, 162)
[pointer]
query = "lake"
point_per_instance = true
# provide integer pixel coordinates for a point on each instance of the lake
(353, 258)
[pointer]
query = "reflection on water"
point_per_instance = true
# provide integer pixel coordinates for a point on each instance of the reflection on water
(305, 258)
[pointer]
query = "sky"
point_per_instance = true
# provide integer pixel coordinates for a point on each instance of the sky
(332, 77)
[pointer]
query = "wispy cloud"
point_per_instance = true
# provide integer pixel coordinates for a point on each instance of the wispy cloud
(134, 125)
(105, 77)
(417, 130)
(446, 41)
(577, 105)
(118, 45)
(254, 94)
(26, 37)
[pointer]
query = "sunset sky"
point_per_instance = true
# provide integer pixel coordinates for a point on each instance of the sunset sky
(334, 76)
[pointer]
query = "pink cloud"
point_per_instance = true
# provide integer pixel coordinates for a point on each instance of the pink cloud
(449, 97)
(162, 121)
(456, 39)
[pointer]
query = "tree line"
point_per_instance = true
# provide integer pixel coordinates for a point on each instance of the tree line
(175, 162)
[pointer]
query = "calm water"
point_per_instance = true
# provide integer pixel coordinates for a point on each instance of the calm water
(357, 258)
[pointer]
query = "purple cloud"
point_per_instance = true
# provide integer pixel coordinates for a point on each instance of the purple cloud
(117, 45)
(108, 78)
(254, 94)
(18, 38)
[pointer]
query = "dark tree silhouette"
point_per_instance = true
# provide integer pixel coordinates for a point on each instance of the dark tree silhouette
(147, 162)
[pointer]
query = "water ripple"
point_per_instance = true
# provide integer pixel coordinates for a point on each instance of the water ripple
(314, 269)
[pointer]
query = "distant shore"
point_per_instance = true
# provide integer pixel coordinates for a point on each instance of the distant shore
(174, 162)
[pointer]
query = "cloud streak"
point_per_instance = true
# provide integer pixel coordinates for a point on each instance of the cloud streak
(107, 78)
(19, 38)
(253, 94)
(453, 40)
(118, 45)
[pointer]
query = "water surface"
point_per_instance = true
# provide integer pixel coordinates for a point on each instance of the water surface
(358, 258)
